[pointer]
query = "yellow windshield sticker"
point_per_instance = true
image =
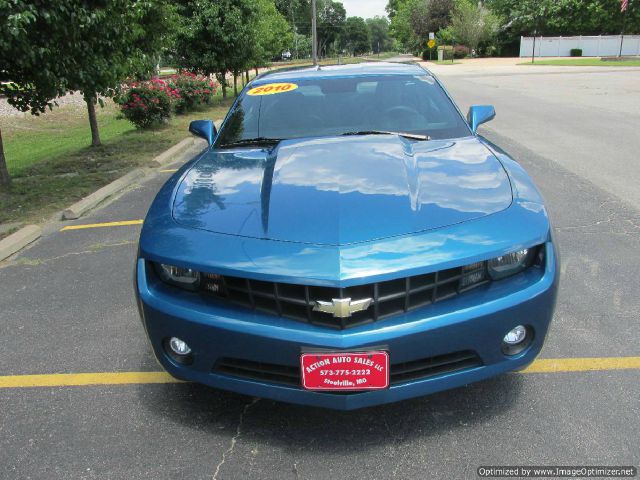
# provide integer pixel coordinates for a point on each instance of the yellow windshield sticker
(272, 88)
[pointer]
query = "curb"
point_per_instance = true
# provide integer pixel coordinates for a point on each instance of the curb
(179, 152)
(168, 156)
(87, 203)
(18, 240)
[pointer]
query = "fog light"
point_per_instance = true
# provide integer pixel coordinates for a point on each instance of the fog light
(179, 347)
(177, 350)
(517, 340)
(516, 336)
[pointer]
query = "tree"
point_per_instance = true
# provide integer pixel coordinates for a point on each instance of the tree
(298, 16)
(430, 16)
(217, 37)
(119, 40)
(566, 17)
(297, 13)
(355, 36)
(86, 46)
(392, 7)
(331, 16)
(300, 46)
(331, 21)
(413, 20)
(28, 71)
(272, 32)
(51, 48)
(472, 23)
(562, 17)
(5, 178)
(379, 34)
(239, 21)
(401, 28)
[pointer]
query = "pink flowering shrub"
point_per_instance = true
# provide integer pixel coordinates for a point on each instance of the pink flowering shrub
(147, 103)
(195, 91)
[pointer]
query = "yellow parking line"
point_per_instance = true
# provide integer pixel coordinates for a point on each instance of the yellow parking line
(79, 379)
(558, 365)
(101, 225)
(546, 365)
(169, 170)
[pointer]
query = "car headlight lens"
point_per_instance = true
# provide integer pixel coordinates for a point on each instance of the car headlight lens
(510, 264)
(178, 276)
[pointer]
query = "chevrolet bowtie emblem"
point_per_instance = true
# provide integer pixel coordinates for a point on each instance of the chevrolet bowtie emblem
(342, 307)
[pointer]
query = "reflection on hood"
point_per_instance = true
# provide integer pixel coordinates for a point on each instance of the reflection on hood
(342, 190)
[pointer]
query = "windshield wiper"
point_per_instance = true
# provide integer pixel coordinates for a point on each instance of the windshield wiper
(252, 141)
(413, 136)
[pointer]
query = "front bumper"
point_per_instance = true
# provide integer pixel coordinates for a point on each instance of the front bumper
(474, 321)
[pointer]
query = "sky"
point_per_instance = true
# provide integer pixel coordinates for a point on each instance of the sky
(364, 8)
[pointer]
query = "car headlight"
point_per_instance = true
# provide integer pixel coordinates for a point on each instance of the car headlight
(510, 264)
(178, 276)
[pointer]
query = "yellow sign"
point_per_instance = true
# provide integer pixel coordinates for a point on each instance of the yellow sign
(431, 43)
(272, 88)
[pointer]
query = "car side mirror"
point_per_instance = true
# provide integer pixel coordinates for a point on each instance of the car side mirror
(204, 129)
(479, 114)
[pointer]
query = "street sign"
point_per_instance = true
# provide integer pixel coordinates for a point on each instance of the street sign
(431, 43)
(432, 36)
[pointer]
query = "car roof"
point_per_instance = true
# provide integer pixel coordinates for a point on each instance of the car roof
(336, 71)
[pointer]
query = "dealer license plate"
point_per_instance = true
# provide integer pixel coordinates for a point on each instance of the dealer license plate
(345, 371)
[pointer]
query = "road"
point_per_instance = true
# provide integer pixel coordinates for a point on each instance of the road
(591, 120)
(66, 306)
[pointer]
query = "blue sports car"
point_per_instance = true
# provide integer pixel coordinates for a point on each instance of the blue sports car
(346, 240)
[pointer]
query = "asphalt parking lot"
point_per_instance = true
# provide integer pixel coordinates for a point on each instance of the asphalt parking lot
(66, 306)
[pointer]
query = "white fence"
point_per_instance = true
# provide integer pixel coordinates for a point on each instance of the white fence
(597, 46)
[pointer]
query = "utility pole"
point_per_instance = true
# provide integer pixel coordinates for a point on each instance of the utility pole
(314, 34)
(295, 30)
(535, 32)
(533, 51)
(624, 7)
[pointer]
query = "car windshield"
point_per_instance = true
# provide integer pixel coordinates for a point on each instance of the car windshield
(319, 107)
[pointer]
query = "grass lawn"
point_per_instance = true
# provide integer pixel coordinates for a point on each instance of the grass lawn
(52, 165)
(444, 62)
(168, 71)
(7, 232)
(326, 61)
(382, 56)
(586, 62)
(29, 139)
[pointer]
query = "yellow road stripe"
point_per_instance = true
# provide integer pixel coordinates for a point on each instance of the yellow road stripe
(557, 365)
(78, 379)
(546, 365)
(169, 170)
(101, 225)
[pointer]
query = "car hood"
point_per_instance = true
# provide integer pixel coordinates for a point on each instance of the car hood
(342, 190)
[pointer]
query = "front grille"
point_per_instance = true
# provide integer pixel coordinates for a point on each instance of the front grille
(399, 372)
(389, 298)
